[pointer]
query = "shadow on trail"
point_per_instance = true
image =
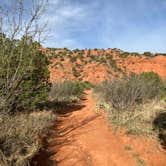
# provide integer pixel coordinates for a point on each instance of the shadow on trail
(160, 124)
(60, 134)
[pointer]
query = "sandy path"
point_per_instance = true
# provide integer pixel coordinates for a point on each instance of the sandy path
(83, 138)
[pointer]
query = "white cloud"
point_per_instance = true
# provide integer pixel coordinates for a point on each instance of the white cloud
(65, 17)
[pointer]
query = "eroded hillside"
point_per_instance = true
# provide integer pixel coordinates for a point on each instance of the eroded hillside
(96, 65)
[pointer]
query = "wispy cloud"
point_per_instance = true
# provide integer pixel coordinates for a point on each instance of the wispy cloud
(64, 19)
(137, 25)
(133, 25)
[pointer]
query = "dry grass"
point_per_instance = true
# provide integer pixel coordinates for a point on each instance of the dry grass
(19, 139)
(126, 92)
(133, 102)
(139, 121)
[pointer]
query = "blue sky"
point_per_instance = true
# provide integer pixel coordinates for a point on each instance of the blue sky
(130, 25)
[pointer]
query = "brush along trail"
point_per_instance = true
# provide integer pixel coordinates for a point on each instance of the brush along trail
(82, 137)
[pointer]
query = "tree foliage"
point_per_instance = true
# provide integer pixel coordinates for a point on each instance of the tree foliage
(23, 74)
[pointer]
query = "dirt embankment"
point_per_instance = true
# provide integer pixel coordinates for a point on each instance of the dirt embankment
(82, 137)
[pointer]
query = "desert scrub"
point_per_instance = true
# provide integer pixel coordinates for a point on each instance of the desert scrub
(19, 139)
(73, 58)
(125, 54)
(75, 72)
(134, 101)
(76, 50)
(102, 60)
(148, 54)
(124, 93)
(139, 121)
(53, 56)
(67, 91)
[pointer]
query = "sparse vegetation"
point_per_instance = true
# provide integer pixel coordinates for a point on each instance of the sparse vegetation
(75, 72)
(133, 101)
(27, 99)
(128, 148)
(73, 59)
(125, 54)
(126, 92)
(19, 139)
(148, 54)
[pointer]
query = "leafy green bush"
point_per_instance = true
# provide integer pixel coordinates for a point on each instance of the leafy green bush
(23, 74)
(125, 54)
(151, 76)
(102, 60)
(155, 82)
(87, 85)
(76, 50)
(164, 93)
(148, 54)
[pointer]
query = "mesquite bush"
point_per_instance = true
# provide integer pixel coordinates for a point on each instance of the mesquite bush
(23, 68)
(126, 92)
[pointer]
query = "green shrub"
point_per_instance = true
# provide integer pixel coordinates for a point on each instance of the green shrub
(153, 81)
(67, 91)
(54, 55)
(80, 56)
(88, 53)
(23, 74)
(76, 50)
(126, 92)
(164, 93)
(125, 54)
(62, 58)
(109, 56)
(73, 59)
(133, 102)
(75, 72)
(102, 60)
(151, 76)
(148, 54)
(87, 85)
(135, 54)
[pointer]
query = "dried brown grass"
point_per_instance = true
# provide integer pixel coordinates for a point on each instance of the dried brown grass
(19, 139)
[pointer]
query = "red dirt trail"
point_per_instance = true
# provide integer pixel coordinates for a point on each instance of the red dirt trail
(82, 137)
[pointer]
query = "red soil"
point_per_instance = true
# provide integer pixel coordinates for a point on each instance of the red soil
(144, 64)
(83, 138)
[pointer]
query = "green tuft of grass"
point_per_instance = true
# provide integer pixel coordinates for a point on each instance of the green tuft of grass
(128, 148)
(140, 162)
